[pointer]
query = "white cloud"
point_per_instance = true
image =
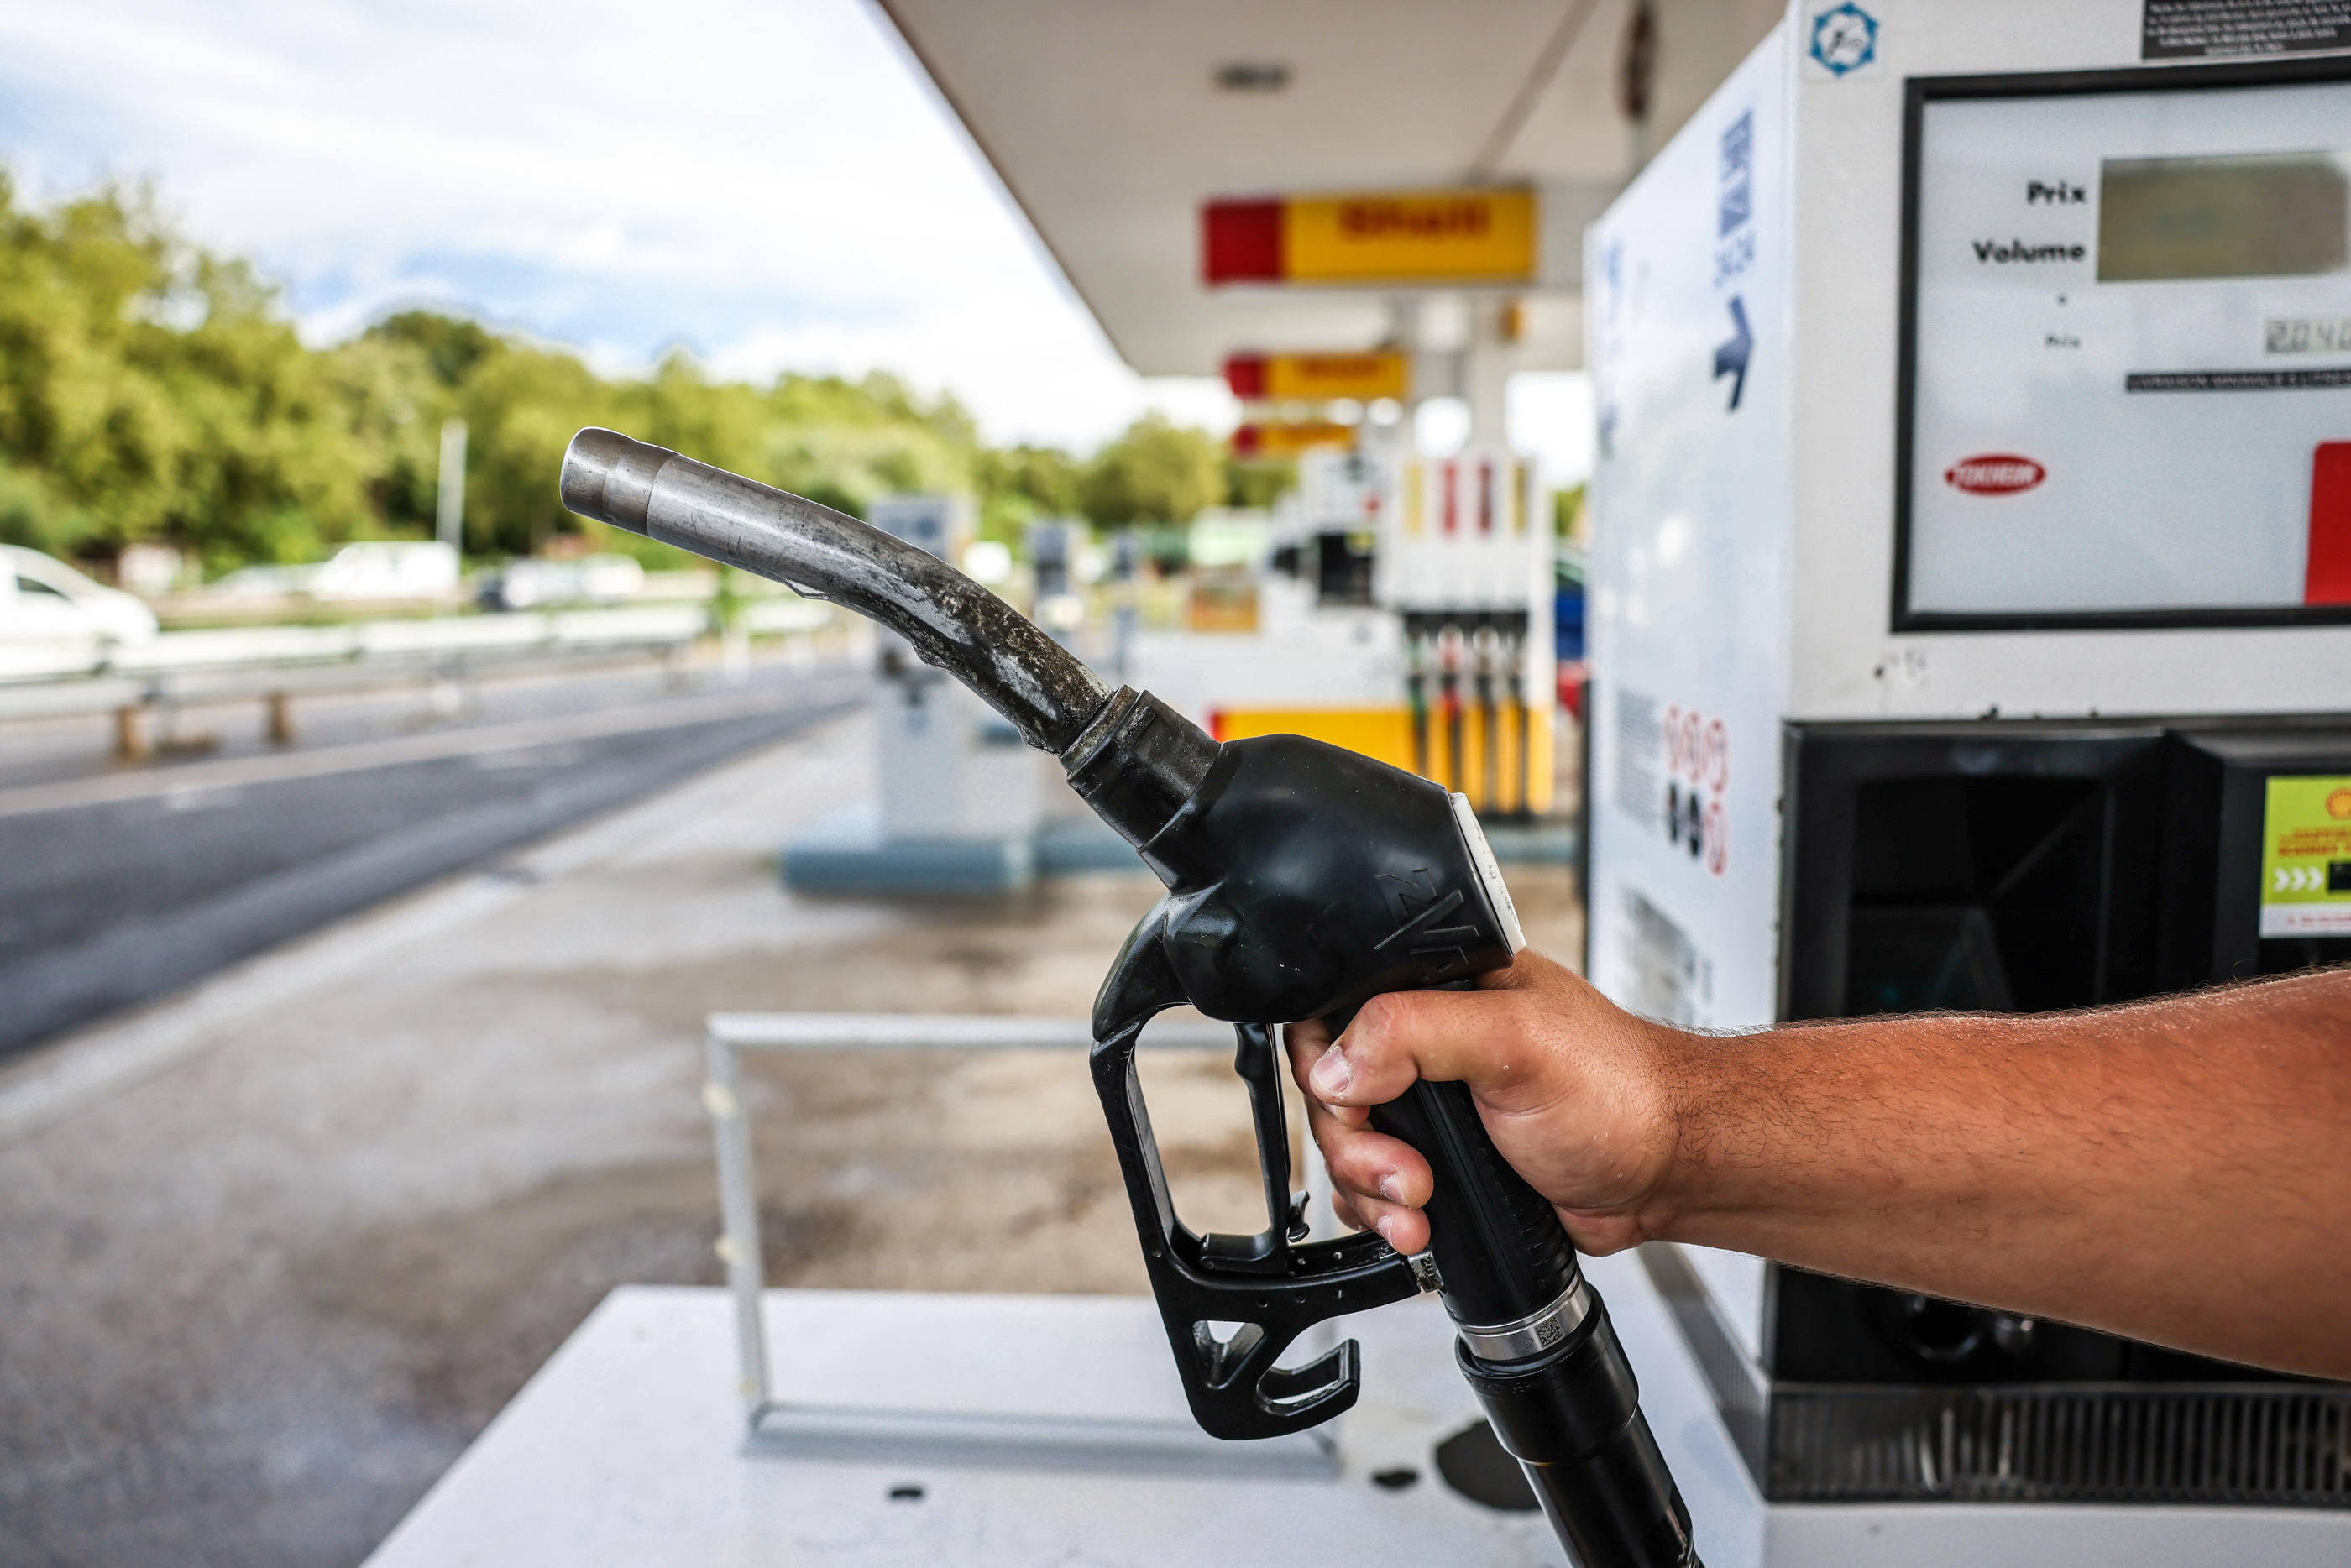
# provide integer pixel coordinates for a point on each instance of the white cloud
(768, 182)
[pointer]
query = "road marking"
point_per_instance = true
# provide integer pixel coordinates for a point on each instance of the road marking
(58, 1077)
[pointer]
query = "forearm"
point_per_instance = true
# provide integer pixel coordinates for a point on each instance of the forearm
(2177, 1171)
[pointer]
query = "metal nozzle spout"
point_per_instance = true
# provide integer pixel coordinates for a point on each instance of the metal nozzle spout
(955, 624)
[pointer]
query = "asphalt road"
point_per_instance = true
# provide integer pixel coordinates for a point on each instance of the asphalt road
(124, 886)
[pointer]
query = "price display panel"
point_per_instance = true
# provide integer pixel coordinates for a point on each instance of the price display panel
(2127, 354)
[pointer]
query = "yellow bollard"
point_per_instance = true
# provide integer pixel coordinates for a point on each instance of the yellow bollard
(131, 742)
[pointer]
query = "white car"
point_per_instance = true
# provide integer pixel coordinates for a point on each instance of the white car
(529, 582)
(387, 569)
(45, 601)
(372, 569)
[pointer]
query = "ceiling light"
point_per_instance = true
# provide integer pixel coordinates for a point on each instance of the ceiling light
(1252, 76)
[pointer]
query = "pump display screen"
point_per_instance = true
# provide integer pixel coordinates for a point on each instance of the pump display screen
(2127, 395)
(2258, 216)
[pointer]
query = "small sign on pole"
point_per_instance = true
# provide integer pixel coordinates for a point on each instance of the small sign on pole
(450, 518)
(1320, 378)
(1280, 438)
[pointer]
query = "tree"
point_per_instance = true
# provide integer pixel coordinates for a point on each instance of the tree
(149, 390)
(452, 344)
(1019, 484)
(1156, 473)
(1256, 485)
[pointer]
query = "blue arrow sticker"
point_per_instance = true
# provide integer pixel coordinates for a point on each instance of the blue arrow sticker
(1730, 358)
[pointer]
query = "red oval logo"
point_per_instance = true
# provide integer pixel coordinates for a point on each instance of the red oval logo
(1994, 473)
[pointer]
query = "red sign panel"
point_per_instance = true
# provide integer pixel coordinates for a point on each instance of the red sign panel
(2326, 580)
(1241, 242)
(1994, 473)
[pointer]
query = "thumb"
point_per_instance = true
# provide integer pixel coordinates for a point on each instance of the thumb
(1477, 1037)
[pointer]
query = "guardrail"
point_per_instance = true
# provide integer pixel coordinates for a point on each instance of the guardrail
(277, 664)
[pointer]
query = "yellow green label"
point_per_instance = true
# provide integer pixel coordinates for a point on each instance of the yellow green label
(2306, 858)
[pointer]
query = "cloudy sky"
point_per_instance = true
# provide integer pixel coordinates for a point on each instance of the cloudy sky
(771, 183)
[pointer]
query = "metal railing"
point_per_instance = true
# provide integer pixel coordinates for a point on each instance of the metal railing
(148, 684)
(778, 1424)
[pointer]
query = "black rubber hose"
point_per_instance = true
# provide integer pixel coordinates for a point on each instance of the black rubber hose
(953, 624)
(1571, 1418)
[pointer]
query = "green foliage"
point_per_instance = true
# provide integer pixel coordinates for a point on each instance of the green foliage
(1019, 485)
(1156, 473)
(156, 393)
(30, 515)
(1258, 485)
(452, 346)
(151, 390)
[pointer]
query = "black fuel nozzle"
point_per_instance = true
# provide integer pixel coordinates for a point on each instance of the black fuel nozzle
(1301, 881)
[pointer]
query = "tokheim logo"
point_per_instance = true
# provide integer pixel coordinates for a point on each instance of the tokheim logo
(1994, 473)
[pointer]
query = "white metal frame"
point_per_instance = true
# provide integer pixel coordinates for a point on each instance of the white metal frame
(779, 1425)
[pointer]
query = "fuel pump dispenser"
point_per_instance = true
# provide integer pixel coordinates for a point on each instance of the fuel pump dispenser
(1465, 561)
(1302, 879)
(1972, 629)
(1453, 558)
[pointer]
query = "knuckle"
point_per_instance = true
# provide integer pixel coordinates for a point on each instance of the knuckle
(1382, 1022)
(1354, 1164)
(1378, 1015)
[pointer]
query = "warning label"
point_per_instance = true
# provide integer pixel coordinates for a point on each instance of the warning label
(2306, 858)
(2193, 29)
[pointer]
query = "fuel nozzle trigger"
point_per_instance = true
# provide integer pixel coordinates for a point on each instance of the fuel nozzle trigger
(1233, 1304)
(1257, 1061)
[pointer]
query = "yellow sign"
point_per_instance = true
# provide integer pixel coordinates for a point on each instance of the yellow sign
(2307, 856)
(1320, 378)
(1384, 236)
(1288, 440)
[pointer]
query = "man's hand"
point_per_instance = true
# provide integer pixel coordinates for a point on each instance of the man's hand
(2171, 1170)
(1575, 1093)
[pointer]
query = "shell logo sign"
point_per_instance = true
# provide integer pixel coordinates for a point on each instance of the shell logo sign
(1474, 235)
(1319, 378)
(1994, 473)
(1277, 438)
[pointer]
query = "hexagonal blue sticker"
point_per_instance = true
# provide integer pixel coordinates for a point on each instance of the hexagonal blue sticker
(1844, 39)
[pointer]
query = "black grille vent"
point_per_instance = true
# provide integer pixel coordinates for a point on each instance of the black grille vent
(2283, 1444)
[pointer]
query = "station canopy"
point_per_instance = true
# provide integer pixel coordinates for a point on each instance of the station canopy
(1112, 123)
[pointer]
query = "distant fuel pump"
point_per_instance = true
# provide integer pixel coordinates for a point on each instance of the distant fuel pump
(1303, 880)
